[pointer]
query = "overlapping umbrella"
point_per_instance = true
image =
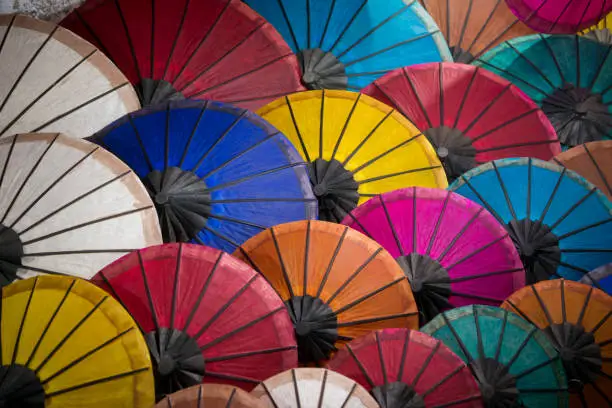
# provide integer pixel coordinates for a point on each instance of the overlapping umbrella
(576, 319)
(406, 368)
(210, 396)
(591, 161)
(310, 388)
(567, 75)
(357, 147)
(600, 277)
(174, 49)
(54, 81)
(559, 16)
(212, 170)
(348, 44)
(513, 361)
(471, 27)
(559, 222)
(205, 316)
(66, 343)
(469, 115)
(67, 207)
(452, 250)
(336, 283)
(600, 31)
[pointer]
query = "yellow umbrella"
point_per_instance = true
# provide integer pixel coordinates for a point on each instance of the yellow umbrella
(357, 147)
(66, 343)
(601, 31)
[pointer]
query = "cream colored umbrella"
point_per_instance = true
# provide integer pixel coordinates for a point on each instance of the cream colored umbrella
(51, 80)
(312, 388)
(68, 207)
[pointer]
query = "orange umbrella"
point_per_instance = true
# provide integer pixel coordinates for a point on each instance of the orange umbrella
(210, 396)
(576, 318)
(592, 161)
(336, 283)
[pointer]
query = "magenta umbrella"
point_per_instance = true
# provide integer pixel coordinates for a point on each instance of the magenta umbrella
(453, 251)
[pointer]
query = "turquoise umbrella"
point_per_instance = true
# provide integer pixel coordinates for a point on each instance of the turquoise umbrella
(569, 76)
(514, 362)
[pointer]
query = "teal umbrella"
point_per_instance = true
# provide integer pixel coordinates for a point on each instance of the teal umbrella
(513, 361)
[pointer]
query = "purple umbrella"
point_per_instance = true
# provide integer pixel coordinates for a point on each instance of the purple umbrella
(453, 251)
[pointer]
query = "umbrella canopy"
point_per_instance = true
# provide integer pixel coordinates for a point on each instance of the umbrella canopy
(54, 81)
(212, 170)
(210, 396)
(556, 16)
(600, 277)
(452, 250)
(514, 363)
(567, 75)
(312, 388)
(174, 49)
(470, 116)
(66, 343)
(336, 283)
(67, 207)
(575, 317)
(601, 31)
(357, 147)
(559, 222)
(206, 317)
(406, 368)
(471, 27)
(591, 161)
(348, 44)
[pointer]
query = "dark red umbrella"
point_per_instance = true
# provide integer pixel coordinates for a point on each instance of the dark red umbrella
(203, 49)
(206, 316)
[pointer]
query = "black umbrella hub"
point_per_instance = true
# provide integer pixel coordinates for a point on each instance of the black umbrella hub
(20, 387)
(397, 395)
(497, 385)
(335, 189)
(156, 91)
(454, 149)
(322, 70)
(11, 252)
(461, 55)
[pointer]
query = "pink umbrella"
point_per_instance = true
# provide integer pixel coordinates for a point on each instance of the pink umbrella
(453, 251)
(560, 16)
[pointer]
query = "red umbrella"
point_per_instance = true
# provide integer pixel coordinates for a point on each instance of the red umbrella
(406, 368)
(206, 316)
(206, 49)
(470, 115)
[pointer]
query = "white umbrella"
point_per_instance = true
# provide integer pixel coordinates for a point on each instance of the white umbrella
(312, 388)
(54, 81)
(68, 207)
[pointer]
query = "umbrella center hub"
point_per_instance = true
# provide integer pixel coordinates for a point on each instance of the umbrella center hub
(21, 388)
(538, 248)
(430, 284)
(316, 328)
(11, 252)
(156, 91)
(397, 395)
(461, 55)
(335, 189)
(182, 200)
(497, 385)
(177, 360)
(579, 352)
(578, 114)
(322, 70)
(454, 149)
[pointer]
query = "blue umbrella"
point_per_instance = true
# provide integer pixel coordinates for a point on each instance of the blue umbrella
(514, 362)
(569, 76)
(217, 174)
(347, 44)
(559, 222)
(601, 278)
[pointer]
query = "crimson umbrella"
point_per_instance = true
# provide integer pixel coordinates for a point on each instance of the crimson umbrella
(212, 49)
(206, 316)
(470, 115)
(406, 368)
(453, 251)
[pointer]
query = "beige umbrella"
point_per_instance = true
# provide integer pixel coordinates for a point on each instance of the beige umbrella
(68, 207)
(312, 388)
(210, 396)
(51, 80)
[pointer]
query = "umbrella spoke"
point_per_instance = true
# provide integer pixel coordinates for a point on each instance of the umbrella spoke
(462, 231)
(95, 382)
(368, 296)
(511, 75)
(509, 122)
(342, 133)
(486, 108)
(23, 319)
(484, 203)
(354, 275)
(360, 365)
(572, 208)
(390, 223)
(457, 402)
(249, 354)
(434, 234)
(460, 343)
(579, 230)
(476, 252)
(237, 221)
(484, 275)
(375, 319)
(425, 365)
(521, 347)
(601, 322)
(519, 311)
(401, 173)
(218, 235)
(331, 263)
(366, 139)
(478, 297)
(536, 367)
(603, 394)
(204, 290)
(418, 97)
(282, 264)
